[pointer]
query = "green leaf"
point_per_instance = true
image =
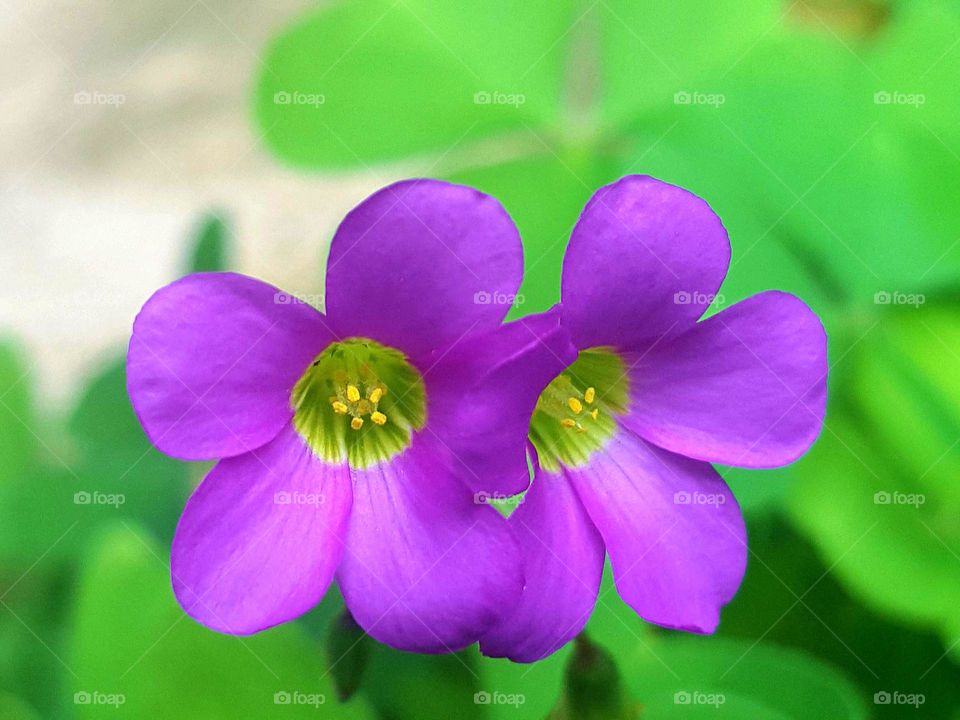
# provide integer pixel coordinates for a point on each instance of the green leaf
(715, 674)
(369, 81)
(13, 708)
(209, 250)
(653, 50)
(132, 641)
(17, 442)
(878, 495)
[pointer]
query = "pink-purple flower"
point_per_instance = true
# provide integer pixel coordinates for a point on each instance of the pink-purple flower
(625, 435)
(350, 444)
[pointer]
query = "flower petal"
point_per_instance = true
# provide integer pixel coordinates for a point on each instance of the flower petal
(672, 528)
(483, 390)
(261, 537)
(746, 387)
(212, 361)
(645, 258)
(420, 263)
(563, 562)
(426, 569)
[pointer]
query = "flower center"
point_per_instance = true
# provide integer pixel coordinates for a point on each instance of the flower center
(576, 413)
(359, 401)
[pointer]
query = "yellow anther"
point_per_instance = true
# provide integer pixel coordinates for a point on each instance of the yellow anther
(568, 423)
(589, 395)
(580, 428)
(594, 413)
(376, 395)
(379, 418)
(356, 423)
(352, 393)
(575, 405)
(339, 408)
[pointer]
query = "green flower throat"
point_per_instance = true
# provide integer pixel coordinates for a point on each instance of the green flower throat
(576, 414)
(359, 402)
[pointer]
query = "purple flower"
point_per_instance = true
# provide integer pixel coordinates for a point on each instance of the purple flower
(625, 435)
(335, 433)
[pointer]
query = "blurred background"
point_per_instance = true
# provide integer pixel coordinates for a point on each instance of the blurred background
(144, 140)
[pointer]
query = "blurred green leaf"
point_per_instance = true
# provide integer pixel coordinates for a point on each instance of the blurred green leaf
(350, 648)
(17, 441)
(708, 674)
(407, 686)
(13, 708)
(131, 639)
(209, 250)
(878, 495)
(369, 81)
(654, 50)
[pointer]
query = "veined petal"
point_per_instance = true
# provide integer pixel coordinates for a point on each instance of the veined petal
(563, 563)
(483, 390)
(261, 537)
(212, 361)
(426, 569)
(746, 387)
(420, 263)
(672, 528)
(645, 258)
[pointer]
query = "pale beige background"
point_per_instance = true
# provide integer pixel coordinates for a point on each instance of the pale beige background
(97, 201)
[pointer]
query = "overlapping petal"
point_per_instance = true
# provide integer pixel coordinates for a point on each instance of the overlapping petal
(212, 361)
(261, 537)
(483, 390)
(421, 263)
(426, 569)
(563, 562)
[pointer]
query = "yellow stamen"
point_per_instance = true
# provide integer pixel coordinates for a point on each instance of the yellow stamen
(580, 428)
(356, 423)
(568, 423)
(379, 418)
(339, 408)
(376, 395)
(352, 393)
(575, 405)
(594, 413)
(589, 395)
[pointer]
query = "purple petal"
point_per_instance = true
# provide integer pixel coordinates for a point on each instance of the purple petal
(672, 528)
(563, 563)
(483, 390)
(212, 361)
(261, 538)
(645, 258)
(426, 569)
(745, 387)
(420, 263)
